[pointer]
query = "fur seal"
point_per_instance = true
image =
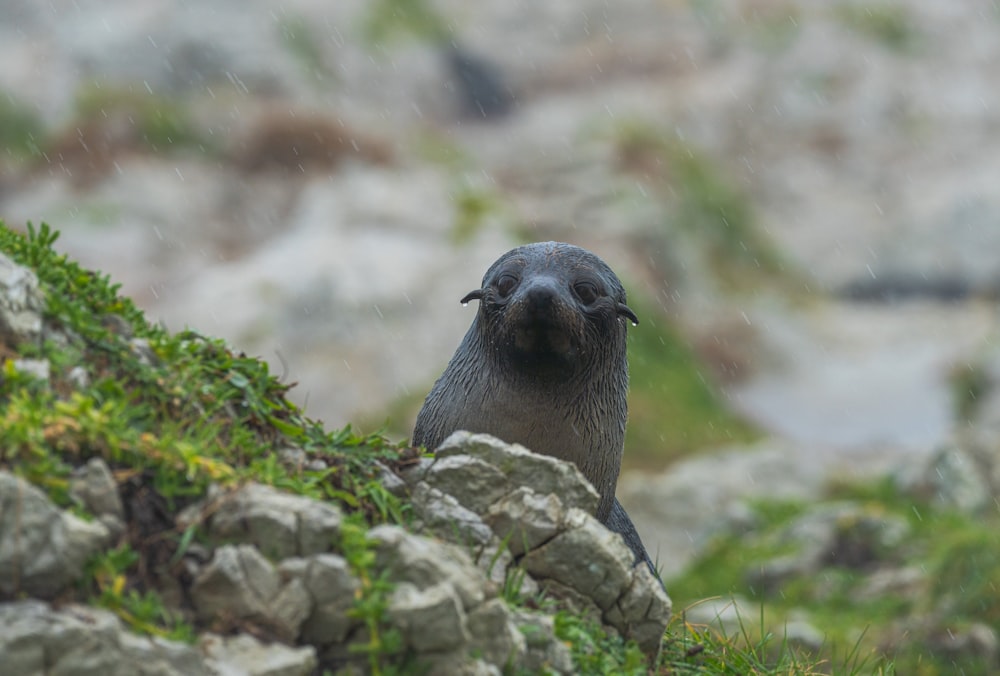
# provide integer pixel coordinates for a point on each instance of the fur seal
(544, 365)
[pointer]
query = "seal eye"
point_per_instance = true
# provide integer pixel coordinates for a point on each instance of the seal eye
(506, 284)
(586, 292)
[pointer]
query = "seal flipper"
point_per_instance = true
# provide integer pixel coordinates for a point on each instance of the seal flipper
(618, 521)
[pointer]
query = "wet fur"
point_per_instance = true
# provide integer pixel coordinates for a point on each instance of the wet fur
(544, 369)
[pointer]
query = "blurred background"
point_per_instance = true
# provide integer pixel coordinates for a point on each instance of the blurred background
(800, 195)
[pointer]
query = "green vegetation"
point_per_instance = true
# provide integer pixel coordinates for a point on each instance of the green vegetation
(956, 556)
(299, 37)
(21, 130)
(172, 413)
(144, 612)
(775, 27)
(673, 408)
(888, 23)
(157, 122)
(391, 19)
(473, 206)
(594, 652)
(705, 205)
(969, 385)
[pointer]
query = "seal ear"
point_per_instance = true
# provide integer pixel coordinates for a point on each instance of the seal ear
(624, 309)
(473, 295)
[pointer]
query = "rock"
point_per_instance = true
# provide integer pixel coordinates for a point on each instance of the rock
(240, 584)
(838, 534)
(586, 557)
(803, 634)
(243, 655)
(728, 615)
(78, 377)
(591, 561)
(514, 462)
(495, 634)
(431, 619)
(42, 549)
(289, 609)
(36, 639)
(952, 477)
(456, 663)
(332, 586)
(906, 582)
(496, 560)
(425, 563)
(442, 514)
(525, 520)
(474, 483)
(143, 352)
(679, 511)
(37, 368)
(976, 640)
(279, 523)
(479, 84)
(544, 651)
(93, 487)
(643, 611)
(21, 304)
(391, 481)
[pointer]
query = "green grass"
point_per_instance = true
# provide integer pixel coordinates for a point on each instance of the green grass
(674, 409)
(172, 419)
(22, 133)
(960, 555)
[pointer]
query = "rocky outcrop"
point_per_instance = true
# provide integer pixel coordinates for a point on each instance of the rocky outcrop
(541, 509)
(269, 564)
(443, 603)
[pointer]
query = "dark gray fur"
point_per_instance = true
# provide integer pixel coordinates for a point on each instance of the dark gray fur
(544, 365)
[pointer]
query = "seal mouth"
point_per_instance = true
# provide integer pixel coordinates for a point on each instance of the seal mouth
(542, 346)
(540, 330)
(543, 338)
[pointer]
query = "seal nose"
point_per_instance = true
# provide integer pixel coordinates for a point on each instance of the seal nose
(540, 296)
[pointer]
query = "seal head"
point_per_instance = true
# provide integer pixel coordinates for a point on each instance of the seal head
(549, 309)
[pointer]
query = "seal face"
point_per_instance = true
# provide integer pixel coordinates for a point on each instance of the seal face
(548, 309)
